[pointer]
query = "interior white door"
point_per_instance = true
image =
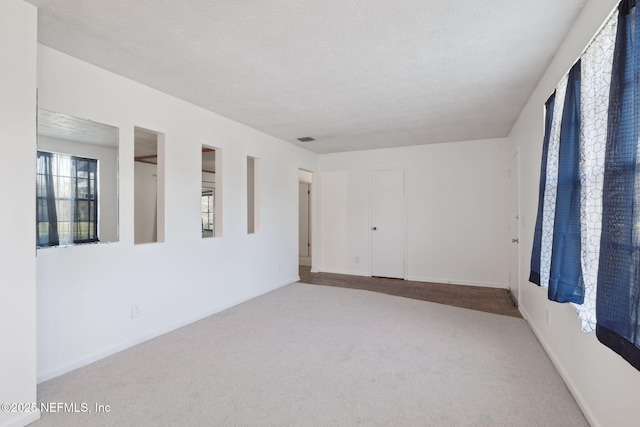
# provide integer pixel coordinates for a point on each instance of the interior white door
(514, 230)
(304, 235)
(388, 218)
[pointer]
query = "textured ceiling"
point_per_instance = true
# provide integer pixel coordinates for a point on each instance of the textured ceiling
(353, 74)
(63, 126)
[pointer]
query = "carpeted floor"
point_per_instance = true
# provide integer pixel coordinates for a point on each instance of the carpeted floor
(307, 355)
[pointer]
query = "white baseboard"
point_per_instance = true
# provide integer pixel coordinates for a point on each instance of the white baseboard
(84, 361)
(456, 282)
(586, 410)
(25, 419)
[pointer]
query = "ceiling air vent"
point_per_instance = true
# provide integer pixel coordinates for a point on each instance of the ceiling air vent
(306, 139)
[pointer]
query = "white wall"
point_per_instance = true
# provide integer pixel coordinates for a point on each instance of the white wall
(457, 211)
(17, 216)
(604, 384)
(107, 179)
(85, 293)
(146, 203)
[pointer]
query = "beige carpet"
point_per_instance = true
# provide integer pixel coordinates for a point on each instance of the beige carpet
(307, 355)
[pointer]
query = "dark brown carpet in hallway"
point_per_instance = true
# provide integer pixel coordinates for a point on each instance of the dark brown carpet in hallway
(490, 300)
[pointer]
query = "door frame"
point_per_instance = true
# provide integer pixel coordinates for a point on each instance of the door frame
(405, 216)
(307, 186)
(314, 234)
(514, 201)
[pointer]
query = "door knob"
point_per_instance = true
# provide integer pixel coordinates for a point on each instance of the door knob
(374, 228)
(514, 240)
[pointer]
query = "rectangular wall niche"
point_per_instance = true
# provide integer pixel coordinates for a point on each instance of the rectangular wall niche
(149, 186)
(253, 195)
(76, 181)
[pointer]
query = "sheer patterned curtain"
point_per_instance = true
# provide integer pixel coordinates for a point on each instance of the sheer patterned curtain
(597, 62)
(64, 175)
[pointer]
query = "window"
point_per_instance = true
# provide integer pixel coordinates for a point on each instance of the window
(208, 213)
(67, 199)
(211, 192)
(586, 241)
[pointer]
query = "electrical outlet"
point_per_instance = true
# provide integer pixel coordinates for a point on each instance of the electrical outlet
(357, 260)
(136, 310)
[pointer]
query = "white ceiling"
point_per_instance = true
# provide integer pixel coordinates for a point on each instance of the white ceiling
(354, 74)
(63, 126)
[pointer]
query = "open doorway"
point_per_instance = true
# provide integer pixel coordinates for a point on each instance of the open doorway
(514, 229)
(305, 179)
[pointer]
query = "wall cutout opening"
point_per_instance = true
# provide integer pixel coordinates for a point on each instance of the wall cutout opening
(76, 181)
(253, 195)
(149, 186)
(211, 196)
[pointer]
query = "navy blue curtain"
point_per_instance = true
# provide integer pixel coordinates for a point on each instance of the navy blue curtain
(565, 276)
(618, 297)
(534, 275)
